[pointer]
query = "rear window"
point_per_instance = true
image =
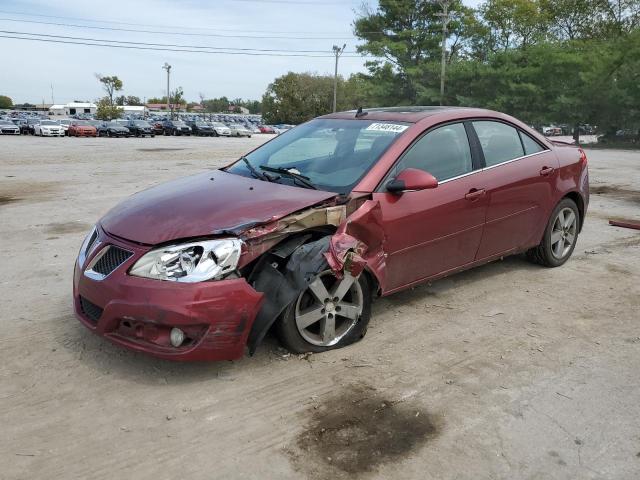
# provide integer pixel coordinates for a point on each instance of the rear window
(500, 142)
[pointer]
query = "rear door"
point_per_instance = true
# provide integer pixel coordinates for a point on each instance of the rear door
(431, 232)
(519, 175)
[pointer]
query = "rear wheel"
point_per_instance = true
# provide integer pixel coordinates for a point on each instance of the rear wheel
(330, 313)
(560, 236)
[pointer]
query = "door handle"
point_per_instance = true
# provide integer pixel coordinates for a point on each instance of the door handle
(546, 171)
(475, 194)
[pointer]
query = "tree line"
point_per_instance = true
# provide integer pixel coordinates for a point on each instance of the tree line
(563, 61)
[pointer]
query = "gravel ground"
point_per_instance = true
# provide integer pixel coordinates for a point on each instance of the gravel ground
(508, 371)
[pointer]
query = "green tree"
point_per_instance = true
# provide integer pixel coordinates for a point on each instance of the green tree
(297, 97)
(106, 110)
(5, 102)
(128, 100)
(110, 84)
(406, 36)
(514, 23)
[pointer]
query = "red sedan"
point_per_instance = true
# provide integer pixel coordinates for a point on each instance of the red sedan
(302, 233)
(82, 128)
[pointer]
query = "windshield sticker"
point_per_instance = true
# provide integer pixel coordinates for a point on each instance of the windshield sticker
(386, 127)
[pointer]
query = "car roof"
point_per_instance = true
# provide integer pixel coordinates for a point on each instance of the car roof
(410, 114)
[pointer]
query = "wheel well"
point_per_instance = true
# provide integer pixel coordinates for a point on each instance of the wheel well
(577, 198)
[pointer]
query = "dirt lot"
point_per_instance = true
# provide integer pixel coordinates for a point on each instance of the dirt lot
(509, 371)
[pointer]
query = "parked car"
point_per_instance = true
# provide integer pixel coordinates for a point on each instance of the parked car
(239, 131)
(81, 128)
(220, 129)
(200, 128)
(156, 127)
(176, 127)
(137, 128)
(48, 128)
(28, 127)
(9, 128)
(301, 233)
(552, 131)
(282, 128)
(111, 129)
(266, 129)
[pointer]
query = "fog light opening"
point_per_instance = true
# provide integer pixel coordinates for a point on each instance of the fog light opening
(176, 337)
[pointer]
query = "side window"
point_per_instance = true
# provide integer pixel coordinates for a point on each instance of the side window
(500, 142)
(443, 152)
(530, 145)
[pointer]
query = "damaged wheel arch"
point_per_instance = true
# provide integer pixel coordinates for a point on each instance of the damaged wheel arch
(285, 271)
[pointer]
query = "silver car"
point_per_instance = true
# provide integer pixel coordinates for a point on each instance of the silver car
(239, 131)
(8, 128)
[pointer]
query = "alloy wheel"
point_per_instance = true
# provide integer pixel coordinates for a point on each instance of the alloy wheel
(563, 233)
(328, 309)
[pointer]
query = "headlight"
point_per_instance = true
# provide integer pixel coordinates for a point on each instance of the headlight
(190, 262)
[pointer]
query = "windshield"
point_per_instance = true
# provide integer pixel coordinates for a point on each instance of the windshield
(82, 123)
(141, 123)
(48, 122)
(333, 154)
(179, 123)
(219, 125)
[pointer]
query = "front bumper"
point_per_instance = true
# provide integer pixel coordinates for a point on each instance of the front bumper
(9, 131)
(139, 313)
(52, 133)
(85, 133)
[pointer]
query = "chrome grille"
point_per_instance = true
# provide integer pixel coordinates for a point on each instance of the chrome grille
(111, 259)
(105, 262)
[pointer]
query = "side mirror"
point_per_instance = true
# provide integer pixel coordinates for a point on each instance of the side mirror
(411, 179)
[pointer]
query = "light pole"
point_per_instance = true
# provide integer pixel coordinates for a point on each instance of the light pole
(337, 51)
(167, 67)
(445, 22)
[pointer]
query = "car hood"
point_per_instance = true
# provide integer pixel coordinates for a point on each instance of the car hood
(206, 204)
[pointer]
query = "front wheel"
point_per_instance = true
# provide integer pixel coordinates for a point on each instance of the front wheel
(330, 313)
(560, 236)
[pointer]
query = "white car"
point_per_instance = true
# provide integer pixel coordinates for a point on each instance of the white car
(221, 129)
(239, 131)
(8, 128)
(48, 128)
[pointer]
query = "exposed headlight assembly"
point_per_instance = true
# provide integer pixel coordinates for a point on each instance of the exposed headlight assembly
(190, 262)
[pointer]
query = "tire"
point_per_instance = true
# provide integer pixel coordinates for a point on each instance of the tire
(560, 236)
(347, 329)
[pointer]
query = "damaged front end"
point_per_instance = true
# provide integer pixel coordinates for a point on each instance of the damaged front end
(283, 257)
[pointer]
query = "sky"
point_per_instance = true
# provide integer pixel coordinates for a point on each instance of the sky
(29, 69)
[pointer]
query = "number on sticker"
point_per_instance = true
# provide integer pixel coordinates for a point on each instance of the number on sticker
(387, 127)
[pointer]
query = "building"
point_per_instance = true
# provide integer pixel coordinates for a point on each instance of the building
(162, 107)
(133, 110)
(238, 109)
(72, 108)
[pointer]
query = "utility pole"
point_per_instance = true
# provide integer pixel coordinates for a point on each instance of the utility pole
(445, 23)
(167, 67)
(337, 51)
(52, 100)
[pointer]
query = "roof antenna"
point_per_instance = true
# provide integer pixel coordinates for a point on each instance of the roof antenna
(360, 113)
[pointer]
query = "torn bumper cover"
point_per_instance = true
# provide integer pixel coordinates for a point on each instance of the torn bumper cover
(282, 286)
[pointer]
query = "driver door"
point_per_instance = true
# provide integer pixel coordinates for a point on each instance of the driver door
(435, 231)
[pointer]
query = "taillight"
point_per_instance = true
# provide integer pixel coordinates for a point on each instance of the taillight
(583, 157)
